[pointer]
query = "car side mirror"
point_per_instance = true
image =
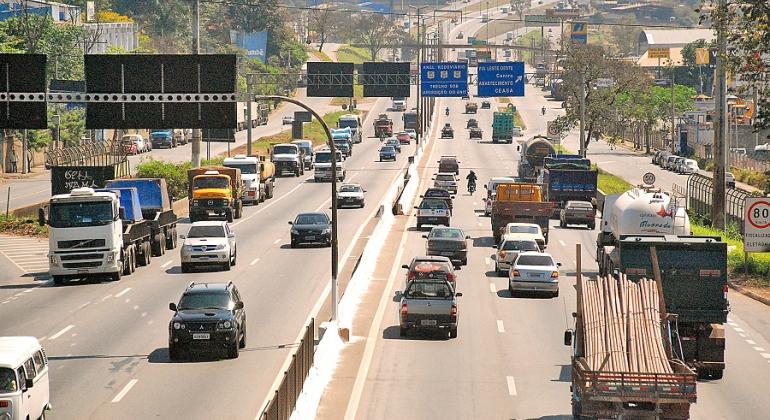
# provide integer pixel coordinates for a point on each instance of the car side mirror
(425, 236)
(182, 237)
(558, 264)
(568, 337)
(405, 266)
(467, 236)
(239, 305)
(172, 306)
(458, 294)
(29, 383)
(122, 213)
(41, 216)
(291, 223)
(231, 235)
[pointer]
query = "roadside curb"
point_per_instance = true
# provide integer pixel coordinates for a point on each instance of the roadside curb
(746, 292)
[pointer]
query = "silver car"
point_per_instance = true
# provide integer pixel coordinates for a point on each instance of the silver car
(208, 243)
(509, 250)
(534, 272)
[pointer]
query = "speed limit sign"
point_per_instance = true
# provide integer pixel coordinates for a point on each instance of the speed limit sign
(756, 225)
(553, 128)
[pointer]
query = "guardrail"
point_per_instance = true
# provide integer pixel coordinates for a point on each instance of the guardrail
(698, 197)
(283, 402)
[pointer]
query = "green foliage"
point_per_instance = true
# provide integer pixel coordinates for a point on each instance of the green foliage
(611, 184)
(355, 55)
(757, 264)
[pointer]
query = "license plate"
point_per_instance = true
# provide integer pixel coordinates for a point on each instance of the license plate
(448, 254)
(201, 336)
(82, 271)
(428, 322)
(310, 238)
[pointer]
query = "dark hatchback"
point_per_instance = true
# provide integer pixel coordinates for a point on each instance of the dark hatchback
(448, 242)
(472, 123)
(208, 317)
(387, 153)
(475, 133)
(311, 228)
(441, 193)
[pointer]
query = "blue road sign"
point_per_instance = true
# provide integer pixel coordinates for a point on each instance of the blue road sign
(501, 79)
(579, 33)
(444, 79)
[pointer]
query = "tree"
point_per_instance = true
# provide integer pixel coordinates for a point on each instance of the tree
(322, 22)
(373, 30)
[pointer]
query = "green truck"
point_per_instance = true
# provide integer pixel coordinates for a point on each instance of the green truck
(502, 127)
(694, 279)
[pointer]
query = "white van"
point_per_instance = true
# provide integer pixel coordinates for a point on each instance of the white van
(491, 188)
(23, 379)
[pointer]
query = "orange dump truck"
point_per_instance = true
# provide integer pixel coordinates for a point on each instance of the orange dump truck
(520, 202)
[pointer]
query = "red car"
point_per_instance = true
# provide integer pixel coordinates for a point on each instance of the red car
(129, 147)
(403, 137)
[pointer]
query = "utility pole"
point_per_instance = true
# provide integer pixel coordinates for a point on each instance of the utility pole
(673, 115)
(720, 126)
(420, 107)
(582, 115)
(248, 114)
(195, 159)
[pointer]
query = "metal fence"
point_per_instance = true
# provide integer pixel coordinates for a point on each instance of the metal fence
(699, 191)
(101, 153)
(743, 161)
(283, 402)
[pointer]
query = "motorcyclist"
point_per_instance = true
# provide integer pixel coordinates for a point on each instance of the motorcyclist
(446, 111)
(543, 110)
(471, 181)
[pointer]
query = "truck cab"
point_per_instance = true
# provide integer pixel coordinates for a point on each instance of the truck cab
(354, 122)
(253, 190)
(287, 158)
(215, 191)
(399, 103)
(323, 166)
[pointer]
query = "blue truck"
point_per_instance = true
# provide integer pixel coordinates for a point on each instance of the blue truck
(568, 178)
(162, 138)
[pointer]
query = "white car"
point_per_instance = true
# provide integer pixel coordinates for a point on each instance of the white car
(534, 272)
(208, 243)
(526, 231)
(446, 180)
(412, 133)
(350, 195)
(689, 166)
(730, 179)
(491, 188)
(289, 119)
(142, 145)
(509, 249)
(24, 382)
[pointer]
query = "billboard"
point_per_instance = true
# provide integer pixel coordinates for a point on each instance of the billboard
(255, 43)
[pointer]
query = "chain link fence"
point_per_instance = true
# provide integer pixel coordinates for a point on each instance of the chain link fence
(698, 194)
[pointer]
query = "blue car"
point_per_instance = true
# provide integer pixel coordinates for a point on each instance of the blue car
(162, 138)
(387, 153)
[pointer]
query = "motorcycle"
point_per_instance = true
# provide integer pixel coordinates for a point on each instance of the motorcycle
(447, 111)
(471, 186)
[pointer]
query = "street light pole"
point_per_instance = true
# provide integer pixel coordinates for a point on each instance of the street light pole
(720, 126)
(420, 125)
(196, 134)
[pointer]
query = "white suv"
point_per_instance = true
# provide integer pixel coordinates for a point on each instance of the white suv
(208, 243)
(446, 180)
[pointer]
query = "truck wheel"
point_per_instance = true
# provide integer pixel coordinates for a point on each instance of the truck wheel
(296, 172)
(453, 333)
(126, 266)
(58, 280)
(157, 248)
(229, 216)
(115, 276)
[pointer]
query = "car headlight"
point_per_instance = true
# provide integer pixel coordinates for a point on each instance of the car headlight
(195, 203)
(177, 325)
(187, 248)
(226, 324)
(219, 247)
(327, 231)
(294, 231)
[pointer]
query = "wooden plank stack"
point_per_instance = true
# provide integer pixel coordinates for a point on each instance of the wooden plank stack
(621, 326)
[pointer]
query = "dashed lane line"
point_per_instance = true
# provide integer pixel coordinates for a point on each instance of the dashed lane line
(123, 292)
(492, 288)
(256, 260)
(62, 332)
(166, 264)
(125, 390)
(500, 326)
(511, 385)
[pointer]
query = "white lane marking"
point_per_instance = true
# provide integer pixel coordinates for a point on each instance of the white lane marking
(84, 305)
(492, 288)
(562, 243)
(732, 324)
(738, 329)
(268, 205)
(742, 335)
(574, 263)
(256, 260)
(277, 241)
(475, 203)
(166, 264)
(759, 349)
(765, 355)
(500, 326)
(123, 292)
(106, 297)
(42, 338)
(511, 385)
(487, 260)
(752, 342)
(144, 314)
(479, 223)
(61, 332)
(128, 300)
(136, 307)
(125, 390)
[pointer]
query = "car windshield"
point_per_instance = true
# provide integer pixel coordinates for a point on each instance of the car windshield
(520, 246)
(388, 149)
(284, 150)
(434, 192)
(433, 204)
(311, 219)
(213, 300)
(211, 182)
(326, 157)
(350, 188)
(206, 232)
(448, 177)
(524, 229)
(428, 290)
(7, 381)
(391, 141)
(80, 214)
(349, 123)
(448, 162)
(536, 260)
(579, 205)
(246, 168)
(446, 234)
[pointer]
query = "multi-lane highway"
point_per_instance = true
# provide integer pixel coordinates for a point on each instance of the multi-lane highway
(107, 341)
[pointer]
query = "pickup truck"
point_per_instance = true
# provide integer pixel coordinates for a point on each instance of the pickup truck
(433, 211)
(471, 108)
(430, 305)
(383, 126)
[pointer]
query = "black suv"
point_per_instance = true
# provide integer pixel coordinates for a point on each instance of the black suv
(209, 316)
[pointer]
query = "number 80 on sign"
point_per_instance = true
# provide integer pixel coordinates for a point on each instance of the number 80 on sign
(757, 225)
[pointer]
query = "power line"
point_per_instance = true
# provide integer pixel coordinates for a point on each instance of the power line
(490, 19)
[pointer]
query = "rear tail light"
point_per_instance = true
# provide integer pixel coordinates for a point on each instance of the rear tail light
(4, 404)
(454, 310)
(501, 254)
(410, 276)
(450, 277)
(554, 274)
(515, 273)
(404, 310)
(725, 288)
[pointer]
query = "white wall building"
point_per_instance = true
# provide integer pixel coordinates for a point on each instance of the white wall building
(123, 35)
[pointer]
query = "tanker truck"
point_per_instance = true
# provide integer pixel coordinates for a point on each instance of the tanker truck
(533, 154)
(693, 270)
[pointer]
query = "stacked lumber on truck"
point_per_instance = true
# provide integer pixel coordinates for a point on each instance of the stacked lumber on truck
(622, 326)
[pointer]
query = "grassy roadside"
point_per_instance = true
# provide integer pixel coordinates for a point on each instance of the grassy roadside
(758, 264)
(22, 226)
(607, 182)
(355, 55)
(320, 55)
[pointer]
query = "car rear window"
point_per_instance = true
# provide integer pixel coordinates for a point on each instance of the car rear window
(428, 290)
(536, 260)
(213, 300)
(523, 229)
(433, 204)
(446, 234)
(445, 177)
(437, 193)
(520, 246)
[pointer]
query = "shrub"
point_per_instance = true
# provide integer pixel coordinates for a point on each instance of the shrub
(175, 174)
